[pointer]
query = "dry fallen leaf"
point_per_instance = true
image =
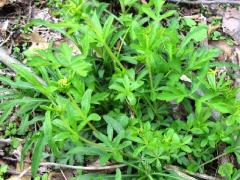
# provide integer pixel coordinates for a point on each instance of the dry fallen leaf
(3, 3)
(226, 49)
(15, 177)
(212, 28)
(231, 23)
(6, 2)
(37, 42)
(18, 169)
(185, 78)
(75, 49)
(41, 13)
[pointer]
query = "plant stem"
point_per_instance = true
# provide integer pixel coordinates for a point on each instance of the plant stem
(153, 108)
(219, 156)
(131, 107)
(215, 158)
(114, 58)
(120, 48)
(150, 75)
(83, 116)
(85, 168)
(99, 35)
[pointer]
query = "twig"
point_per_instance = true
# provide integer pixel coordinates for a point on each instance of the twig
(8, 141)
(10, 159)
(84, 168)
(202, 176)
(17, 172)
(204, 21)
(24, 173)
(10, 62)
(178, 172)
(215, 158)
(5, 73)
(30, 11)
(5, 141)
(64, 166)
(63, 174)
(195, 17)
(7, 39)
(144, 1)
(206, 1)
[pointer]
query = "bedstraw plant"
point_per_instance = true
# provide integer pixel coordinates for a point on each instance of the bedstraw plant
(139, 91)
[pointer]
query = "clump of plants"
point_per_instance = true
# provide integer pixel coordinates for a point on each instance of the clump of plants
(141, 92)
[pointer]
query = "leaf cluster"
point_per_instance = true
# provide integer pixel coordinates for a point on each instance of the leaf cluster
(139, 92)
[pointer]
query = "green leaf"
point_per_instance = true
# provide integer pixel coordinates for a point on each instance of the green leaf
(204, 142)
(37, 154)
(187, 139)
(96, 24)
(86, 100)
(25, 123)
(236, 175)
(108, 27)
(132, 99)
(94, 117)
(30, 76)
(197, 131)
(61, 136)
(66, 52)
(110, 132)
(221, 107)
(98, 97)
(18, 84)
(226, 170)
(166, 15)
(5, 114)
(201, 33)
(80, 67)
(84, 150)
(47, 126)
(113, 123)
(193, 34)
(27, 145)
(189, 22)
(118, 175)
(15, 143)
(104, 158)
(3, 169)
(118, 156)
(186, 149)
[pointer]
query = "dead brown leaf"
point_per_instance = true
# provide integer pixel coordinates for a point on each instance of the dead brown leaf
(18, 169)
(212, 28)
(15, 177)
(226, 49)
(37, 41)
(75, 49)
(3, 3)
(42, 14)
(231, 23)
(6, 2)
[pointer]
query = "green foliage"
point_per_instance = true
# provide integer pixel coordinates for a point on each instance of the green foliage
(3, 170)
(139, 93)
(228, 171)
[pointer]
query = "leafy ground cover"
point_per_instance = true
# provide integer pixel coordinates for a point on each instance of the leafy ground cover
(142, 98)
